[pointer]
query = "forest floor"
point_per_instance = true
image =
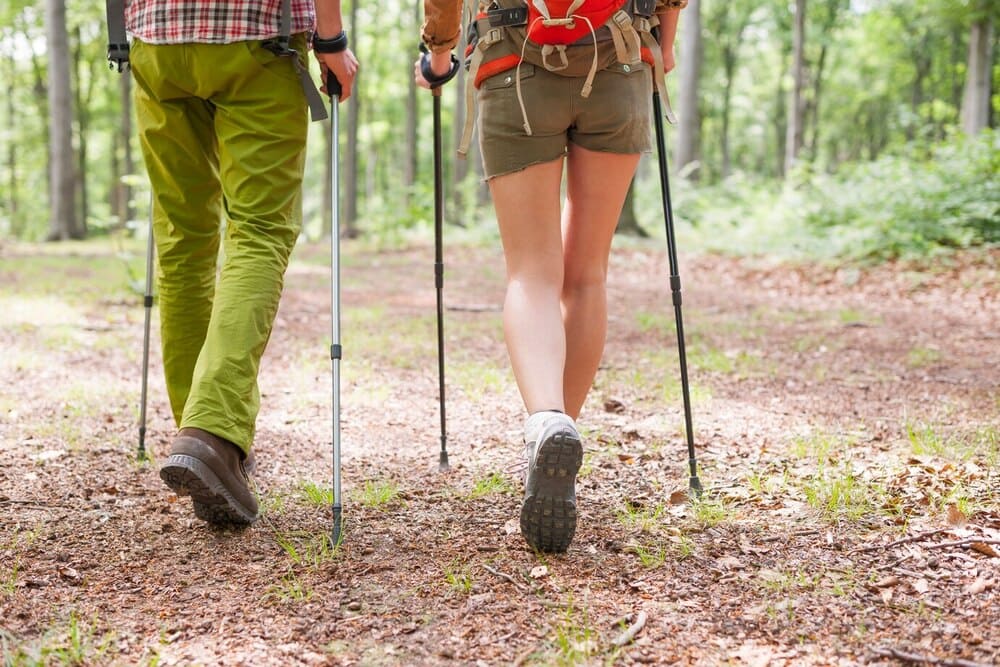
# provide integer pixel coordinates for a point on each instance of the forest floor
(847, 433)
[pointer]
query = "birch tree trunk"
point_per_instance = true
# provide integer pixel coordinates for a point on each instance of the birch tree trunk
(350, 161)
(976, 98)
(796, 112)
(62, 214)
(688, 108)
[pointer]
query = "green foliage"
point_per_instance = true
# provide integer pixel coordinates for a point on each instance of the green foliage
(912, 204)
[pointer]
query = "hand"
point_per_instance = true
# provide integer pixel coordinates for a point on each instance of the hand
(668, 58)
(343, 65)
(440, 65)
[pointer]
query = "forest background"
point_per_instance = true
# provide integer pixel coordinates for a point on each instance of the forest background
(819, 128)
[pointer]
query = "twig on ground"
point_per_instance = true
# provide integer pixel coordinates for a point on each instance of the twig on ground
(505, 577)
(631, 631)
(905, 540)
(31, 504)
(926, 659)
(962, 543)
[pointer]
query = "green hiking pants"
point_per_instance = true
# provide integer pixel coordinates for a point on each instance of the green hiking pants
(223, 133)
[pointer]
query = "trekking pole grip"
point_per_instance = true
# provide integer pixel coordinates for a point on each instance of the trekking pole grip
(333, 86)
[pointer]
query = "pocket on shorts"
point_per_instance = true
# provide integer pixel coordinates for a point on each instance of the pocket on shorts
(505, 79)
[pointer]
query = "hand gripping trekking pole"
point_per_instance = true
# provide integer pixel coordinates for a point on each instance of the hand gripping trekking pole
(334, 89)
(675, 287)
(147, 301)
(436, 83)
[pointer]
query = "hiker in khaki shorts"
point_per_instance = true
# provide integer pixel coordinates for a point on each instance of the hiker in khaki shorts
(557, 83)
(222, 116)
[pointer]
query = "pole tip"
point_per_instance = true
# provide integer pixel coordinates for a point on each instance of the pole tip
(695, 485)
(337, 534)
(443, 462)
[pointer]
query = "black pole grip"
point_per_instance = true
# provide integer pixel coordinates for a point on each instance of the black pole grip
(333, 86)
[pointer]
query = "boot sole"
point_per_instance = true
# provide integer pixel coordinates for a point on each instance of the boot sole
(188, 476)
(548, 517)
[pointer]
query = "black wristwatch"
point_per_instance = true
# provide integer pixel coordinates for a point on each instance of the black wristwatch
(334, 44)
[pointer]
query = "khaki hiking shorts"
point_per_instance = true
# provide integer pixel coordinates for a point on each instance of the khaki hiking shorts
(615, 118)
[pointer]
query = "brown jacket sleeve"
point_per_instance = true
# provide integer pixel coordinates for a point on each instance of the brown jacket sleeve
(442, 24)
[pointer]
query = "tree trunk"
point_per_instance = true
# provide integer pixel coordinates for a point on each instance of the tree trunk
(82, 98)
(628, 223)
(13, 203)
(127, 206)
(326, 226)
(62, 222)
(793, 142)
(411, 155)
(976, 98)
(351, 154)
(461, 167)
(688, 108)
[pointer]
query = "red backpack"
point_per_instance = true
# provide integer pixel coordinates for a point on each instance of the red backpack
(566, 21)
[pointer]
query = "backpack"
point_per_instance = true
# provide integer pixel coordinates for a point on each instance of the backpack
(568, 37)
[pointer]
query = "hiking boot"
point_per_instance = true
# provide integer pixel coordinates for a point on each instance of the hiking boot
(554, 454)
(213, 472)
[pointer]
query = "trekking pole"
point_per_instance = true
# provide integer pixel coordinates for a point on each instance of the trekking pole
(675, 287)
(436, 83)
(334, 89)
(147, 301)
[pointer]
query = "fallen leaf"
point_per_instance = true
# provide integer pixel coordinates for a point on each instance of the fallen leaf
(886, 594)
(920, 585)
(984, 549)
(886, 582)
(978, 586)
(955, 516)
(678, 497)
(539, 571)
(729, 563)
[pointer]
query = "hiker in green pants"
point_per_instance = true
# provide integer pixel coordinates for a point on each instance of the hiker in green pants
(222, 117)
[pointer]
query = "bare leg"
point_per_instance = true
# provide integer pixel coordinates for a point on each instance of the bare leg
(596, 189)
(527, 207)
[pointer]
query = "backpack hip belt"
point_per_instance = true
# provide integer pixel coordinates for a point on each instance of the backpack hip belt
(501, 38)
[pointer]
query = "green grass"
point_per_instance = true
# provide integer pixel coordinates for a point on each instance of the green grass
(652, 557)
(922, 357)
(641, 518)
(573, 640)
(981, 443)
(458, 577)
(494, 484)
(305, 548)
(709, 511)
(478, 380)
(821, 447)
(378, 494)
(839, 493)
(315, 494)
(289, 589)
(72, 643)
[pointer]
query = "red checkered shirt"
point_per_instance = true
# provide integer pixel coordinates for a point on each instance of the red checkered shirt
(213, 21)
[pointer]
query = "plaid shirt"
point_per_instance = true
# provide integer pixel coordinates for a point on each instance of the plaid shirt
(213, 21)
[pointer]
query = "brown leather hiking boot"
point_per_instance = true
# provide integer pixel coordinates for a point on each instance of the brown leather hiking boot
(214, 473)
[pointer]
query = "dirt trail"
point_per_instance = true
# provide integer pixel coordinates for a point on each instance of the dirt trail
(847, 430)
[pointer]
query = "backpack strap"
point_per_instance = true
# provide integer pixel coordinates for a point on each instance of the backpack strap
(645, 28)
(486, 39)
(281, 47)
(625, 38)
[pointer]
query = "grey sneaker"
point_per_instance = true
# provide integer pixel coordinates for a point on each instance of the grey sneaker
(548, 515)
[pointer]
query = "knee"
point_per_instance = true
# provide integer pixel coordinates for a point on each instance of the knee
(578, 282)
